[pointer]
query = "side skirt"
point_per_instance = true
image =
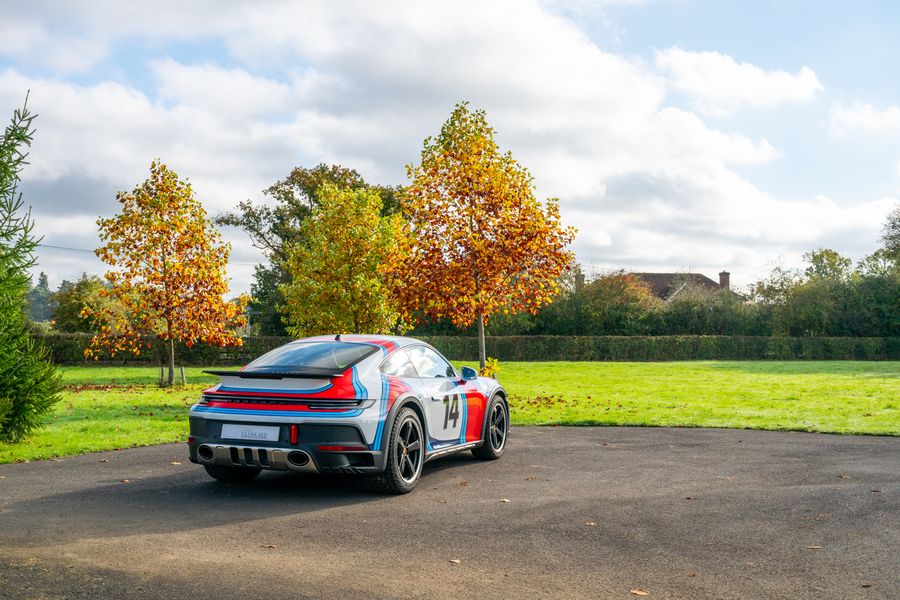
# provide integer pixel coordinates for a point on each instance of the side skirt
(451, 450)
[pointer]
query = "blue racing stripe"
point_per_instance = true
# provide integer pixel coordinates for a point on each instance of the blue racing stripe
(382, 411)
(465, 416)
(358, 388)
(279, 413)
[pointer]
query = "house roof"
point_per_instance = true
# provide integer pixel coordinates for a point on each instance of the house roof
(663, 285)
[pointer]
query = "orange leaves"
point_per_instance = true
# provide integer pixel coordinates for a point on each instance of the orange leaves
(479, 241)
(167, 272)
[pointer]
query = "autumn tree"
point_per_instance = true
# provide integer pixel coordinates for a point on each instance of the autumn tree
(168, 272)
(69, 301)
(337, 269)
(479, 240)
(619, 304)
(29, 383)
(277, 224)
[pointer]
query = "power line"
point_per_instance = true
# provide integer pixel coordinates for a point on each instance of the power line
(243, 264)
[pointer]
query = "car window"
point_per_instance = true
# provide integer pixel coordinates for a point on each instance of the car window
(399, 365)
(429, 363)
(311, 355)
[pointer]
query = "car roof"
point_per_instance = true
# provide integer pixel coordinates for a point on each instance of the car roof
(378, 339)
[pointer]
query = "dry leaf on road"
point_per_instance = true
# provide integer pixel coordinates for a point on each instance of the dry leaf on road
(504, 499)
(268, 546)
(455, 561)
(638, 592)
(814, 547)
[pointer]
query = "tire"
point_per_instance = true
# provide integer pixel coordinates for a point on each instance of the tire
(496, 431)
(405, 456)
(232, 474)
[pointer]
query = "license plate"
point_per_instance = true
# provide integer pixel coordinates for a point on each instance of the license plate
(250, 433)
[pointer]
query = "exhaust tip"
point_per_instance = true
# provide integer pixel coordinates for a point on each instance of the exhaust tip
(298, 459)
(205, 452)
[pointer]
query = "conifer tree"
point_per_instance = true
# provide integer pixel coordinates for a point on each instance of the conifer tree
(29, 383)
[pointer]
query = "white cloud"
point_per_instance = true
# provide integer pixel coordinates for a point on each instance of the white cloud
(363, 83)
(720, 85)
(860, 117)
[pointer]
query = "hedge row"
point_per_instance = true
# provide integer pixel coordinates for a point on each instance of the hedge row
(663, 348)
(68, 349)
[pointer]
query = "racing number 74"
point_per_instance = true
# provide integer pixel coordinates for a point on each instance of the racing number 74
(451, 409)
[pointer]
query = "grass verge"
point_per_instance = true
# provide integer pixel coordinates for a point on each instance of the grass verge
(104, 408)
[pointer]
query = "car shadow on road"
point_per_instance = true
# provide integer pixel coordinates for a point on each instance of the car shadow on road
(181, 501)
(185, 500)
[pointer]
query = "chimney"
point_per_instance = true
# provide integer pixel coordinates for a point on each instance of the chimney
(579, 281)
(725, 280)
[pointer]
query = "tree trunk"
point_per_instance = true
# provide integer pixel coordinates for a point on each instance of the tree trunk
(482, 354)
(171, 362)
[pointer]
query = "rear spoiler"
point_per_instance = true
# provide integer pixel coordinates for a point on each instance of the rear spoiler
(286, 375)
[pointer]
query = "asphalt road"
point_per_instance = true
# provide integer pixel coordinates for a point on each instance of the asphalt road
(566, 513)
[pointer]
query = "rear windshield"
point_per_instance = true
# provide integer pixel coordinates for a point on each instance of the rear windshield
(314, 357)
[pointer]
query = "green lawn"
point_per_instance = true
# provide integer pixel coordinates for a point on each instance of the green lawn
(117, 407)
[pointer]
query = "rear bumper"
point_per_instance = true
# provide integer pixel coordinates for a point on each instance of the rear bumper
(206, 446)
(278, 459)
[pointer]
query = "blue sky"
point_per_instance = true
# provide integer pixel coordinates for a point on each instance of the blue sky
(678, 134)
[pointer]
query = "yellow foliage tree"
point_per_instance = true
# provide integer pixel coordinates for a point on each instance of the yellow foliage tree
(338, 282)
(479, 241)
(168, 273)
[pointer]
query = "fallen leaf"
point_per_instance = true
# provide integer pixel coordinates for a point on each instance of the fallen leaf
(688, 498)
(638, 592)
(103, 460)
(268, 546)
(530, 478)
(692, 574)
(463, 483)
(455, 561)
(843, 477)
(2, 476)
(590, 524)
(125, 481)
(814, 547)
(866, 585)
(174, 462)
(504, 499)
(876, 491)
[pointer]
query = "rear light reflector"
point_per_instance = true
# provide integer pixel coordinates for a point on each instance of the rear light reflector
(295, 436)
(190, 439)
(342, 448)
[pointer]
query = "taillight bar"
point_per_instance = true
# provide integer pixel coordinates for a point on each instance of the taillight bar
(355, 448)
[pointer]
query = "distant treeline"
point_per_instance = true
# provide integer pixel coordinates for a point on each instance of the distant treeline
(829, 299)
(68, 349)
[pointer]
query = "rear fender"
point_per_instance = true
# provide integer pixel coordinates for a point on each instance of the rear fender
(411, 401)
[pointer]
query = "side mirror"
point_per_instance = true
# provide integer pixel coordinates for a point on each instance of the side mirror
(469, 374)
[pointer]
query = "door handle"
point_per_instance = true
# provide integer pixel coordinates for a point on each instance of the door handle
(436, 398)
